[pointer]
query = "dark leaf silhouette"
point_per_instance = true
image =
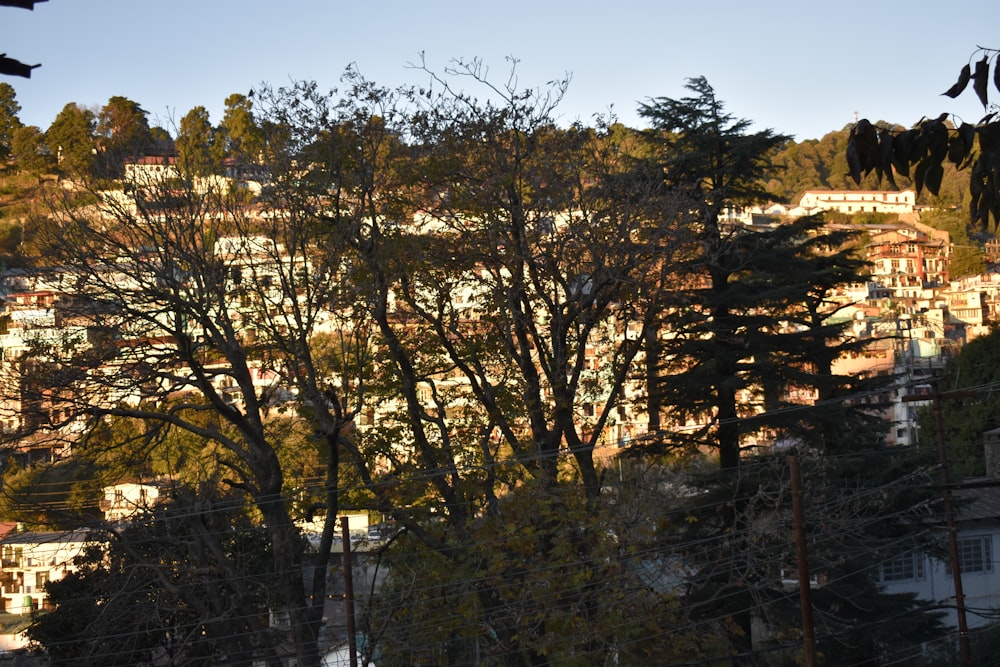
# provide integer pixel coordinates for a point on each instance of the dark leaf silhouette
(980, 80)
(963, 81)
(933, 177)
(902, 145)
(956, 150)
(996, 74)
(885, 157)
(853, 162)
(15, 67)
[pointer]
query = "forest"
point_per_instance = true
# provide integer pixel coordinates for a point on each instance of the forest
(532, 351)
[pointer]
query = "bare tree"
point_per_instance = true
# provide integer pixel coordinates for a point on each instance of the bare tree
(195, 305)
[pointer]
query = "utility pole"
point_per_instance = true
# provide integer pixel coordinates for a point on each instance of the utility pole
(799, 524)
(949, 511)
(352, 639)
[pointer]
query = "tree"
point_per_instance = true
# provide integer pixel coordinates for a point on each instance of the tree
(29, 151)
(183, 585)
(497, 254)
(238, 130)
(749, 320)
(750, 326)
(122, 132)
(196, 145)
(967, 417)
(71, 139)
(933, 142)
(205, 328)
(9, 121)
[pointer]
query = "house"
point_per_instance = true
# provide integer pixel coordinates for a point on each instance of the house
(977, 522)
(123, 502)
(29, 560)
(151, 170)
(857, 201)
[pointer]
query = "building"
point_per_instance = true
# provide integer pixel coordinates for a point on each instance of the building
(977, 522)
(125, 501)
(30, 560)
(857, 201)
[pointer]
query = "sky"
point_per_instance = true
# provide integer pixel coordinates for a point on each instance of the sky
(800, 67)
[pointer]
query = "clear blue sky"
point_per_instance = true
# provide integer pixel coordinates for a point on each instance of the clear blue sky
(800, 67)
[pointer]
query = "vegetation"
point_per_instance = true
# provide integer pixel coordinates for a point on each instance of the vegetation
(935, 144)
(447, 310)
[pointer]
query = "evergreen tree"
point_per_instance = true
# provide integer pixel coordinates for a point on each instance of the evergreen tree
(29, 151)
(197, 149)
(71, 139)
(751, 331)
(123, 132)
(9, 121)
(239, 131)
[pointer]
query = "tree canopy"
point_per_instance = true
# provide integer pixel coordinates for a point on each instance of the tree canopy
(931, 143)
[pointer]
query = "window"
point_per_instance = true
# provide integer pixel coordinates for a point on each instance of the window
(975, 554)
(907, 567)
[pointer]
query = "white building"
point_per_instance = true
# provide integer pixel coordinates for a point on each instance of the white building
(30, 560)
(857, 201)
(126, 501)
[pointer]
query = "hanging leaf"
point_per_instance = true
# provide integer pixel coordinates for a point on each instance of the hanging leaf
(956, 150)
(938, 141)
(967, 133)
(981, 79)
(918, 175)
(885, 157)
(963, 81)
(902, 145)
(933, 177)
(996, 74)
(853, 163)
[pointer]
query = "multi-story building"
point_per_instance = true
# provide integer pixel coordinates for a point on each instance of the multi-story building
(907, 259)
(30, 560)
(857, 201)
(127, 500)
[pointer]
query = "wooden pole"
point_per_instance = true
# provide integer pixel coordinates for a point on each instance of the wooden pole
(949, 509)
(352, 640)
(799, 524)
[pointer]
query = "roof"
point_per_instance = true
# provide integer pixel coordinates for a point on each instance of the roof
(49, 537)
(978, 499)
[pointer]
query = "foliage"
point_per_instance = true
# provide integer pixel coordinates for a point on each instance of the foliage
(29, 150)
(9, 121)
(973, 371)
(122, 132)
(187, 584)
(239, 132)
(933, 142)
(55, 496)
(733, 532)
(536, 591)
(196, 144)
(71, 138)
